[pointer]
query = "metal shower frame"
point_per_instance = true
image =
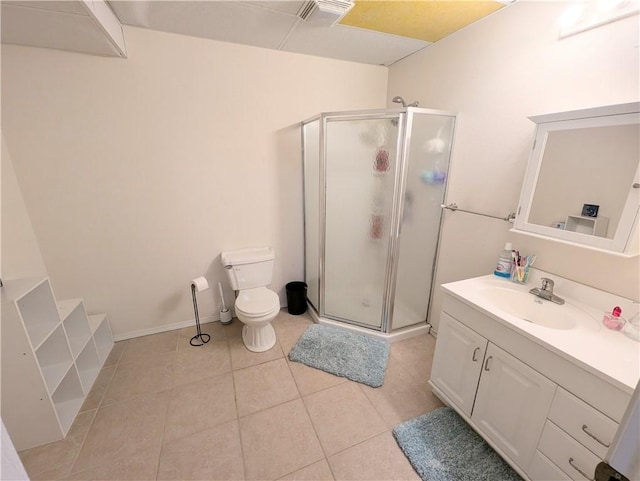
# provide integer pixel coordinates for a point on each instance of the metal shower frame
(405, 124)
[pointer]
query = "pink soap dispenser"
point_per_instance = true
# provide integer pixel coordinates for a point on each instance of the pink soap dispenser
(613, 320)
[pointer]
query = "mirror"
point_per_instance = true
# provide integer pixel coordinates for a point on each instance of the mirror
(582, 183)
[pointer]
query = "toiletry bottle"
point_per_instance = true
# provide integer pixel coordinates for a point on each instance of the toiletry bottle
(503, 268)
(613, 320)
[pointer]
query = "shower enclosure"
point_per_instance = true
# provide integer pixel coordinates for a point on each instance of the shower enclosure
(374, 183)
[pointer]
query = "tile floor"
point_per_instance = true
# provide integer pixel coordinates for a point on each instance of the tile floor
(161, 409)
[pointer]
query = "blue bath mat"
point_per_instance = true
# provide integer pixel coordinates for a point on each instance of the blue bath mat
(441, 446)
(343, 353)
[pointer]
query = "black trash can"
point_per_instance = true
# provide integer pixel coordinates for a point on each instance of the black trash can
(296, 297)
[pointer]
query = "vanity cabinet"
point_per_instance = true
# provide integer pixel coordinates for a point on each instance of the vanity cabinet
(511, 404)
(457, 362)
(492, 387)
(548, 418)
(543, 469)
(52, 353)
(575, 436)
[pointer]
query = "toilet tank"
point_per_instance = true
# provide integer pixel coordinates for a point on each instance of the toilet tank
(249, 268)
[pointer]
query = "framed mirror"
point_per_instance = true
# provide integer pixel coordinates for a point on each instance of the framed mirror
(582, 183)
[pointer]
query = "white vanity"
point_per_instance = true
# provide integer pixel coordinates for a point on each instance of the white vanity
(546, 393)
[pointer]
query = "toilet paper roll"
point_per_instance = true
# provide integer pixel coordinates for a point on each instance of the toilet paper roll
(200, 284)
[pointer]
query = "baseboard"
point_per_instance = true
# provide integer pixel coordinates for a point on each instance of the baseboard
(165, 328)
(433, 331)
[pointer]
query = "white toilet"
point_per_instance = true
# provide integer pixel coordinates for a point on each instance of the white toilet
(250, 272)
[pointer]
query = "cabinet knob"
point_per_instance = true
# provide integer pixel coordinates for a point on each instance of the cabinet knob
(585, 428)
(486, 363)
(475, 351)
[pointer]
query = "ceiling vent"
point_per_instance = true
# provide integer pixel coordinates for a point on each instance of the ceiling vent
(324, 13)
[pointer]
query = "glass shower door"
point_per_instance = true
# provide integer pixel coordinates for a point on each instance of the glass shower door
(427, 152)
(360, 161)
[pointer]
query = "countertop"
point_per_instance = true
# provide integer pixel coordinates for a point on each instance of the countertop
(606, 353)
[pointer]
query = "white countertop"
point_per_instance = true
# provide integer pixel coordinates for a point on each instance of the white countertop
(606, 353)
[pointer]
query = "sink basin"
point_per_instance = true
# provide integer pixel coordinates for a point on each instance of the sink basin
(538, 311)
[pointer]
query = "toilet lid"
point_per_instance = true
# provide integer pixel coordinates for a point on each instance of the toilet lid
(257, 301)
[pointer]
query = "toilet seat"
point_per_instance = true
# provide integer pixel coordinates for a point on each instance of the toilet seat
(256, 308)
(257, 302)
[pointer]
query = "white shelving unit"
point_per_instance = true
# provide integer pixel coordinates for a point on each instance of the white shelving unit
(52, 353)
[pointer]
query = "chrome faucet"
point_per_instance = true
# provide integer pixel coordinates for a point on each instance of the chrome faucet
(546, 291)
(547, 285)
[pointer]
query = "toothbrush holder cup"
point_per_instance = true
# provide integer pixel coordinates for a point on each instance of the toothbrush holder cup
(519, 274)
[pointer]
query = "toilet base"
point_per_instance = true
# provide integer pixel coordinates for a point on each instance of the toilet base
(259, 339)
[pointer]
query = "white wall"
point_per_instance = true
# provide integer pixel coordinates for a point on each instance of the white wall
(495, 74)
(137, 173)
(21, 256)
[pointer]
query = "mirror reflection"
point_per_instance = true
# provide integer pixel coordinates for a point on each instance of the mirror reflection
(584, 179)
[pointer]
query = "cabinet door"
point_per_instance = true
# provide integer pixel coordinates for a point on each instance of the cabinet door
(457, 362)
(512, 404)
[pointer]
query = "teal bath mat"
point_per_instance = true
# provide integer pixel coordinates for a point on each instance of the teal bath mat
(441, 446)
(343, 353)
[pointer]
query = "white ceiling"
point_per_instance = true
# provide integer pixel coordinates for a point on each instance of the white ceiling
(270, 24)
(63, 25)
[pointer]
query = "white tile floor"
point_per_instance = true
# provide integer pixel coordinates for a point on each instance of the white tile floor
(161, 409)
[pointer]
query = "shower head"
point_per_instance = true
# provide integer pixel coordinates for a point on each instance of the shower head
(399, 100)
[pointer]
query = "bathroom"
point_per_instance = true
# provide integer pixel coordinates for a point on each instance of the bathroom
(133, 171)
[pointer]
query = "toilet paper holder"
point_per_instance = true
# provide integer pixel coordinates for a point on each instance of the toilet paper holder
(200, 339)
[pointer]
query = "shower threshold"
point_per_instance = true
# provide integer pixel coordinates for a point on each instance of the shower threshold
(390, 337)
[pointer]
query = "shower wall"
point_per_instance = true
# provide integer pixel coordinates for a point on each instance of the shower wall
(374, 183)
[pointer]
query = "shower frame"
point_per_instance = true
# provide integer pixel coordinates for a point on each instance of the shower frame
(405, 123)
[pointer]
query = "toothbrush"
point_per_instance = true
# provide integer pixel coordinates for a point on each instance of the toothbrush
(530, 260)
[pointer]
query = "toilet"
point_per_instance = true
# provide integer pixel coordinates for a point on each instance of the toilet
(250, 272)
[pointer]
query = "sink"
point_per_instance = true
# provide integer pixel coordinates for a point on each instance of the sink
(539, 311)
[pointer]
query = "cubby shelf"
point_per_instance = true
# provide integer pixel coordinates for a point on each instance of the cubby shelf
(68, 399)
(76, 326)
(39, 312)
(102, 336)
(88, 365)
(52, 353)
